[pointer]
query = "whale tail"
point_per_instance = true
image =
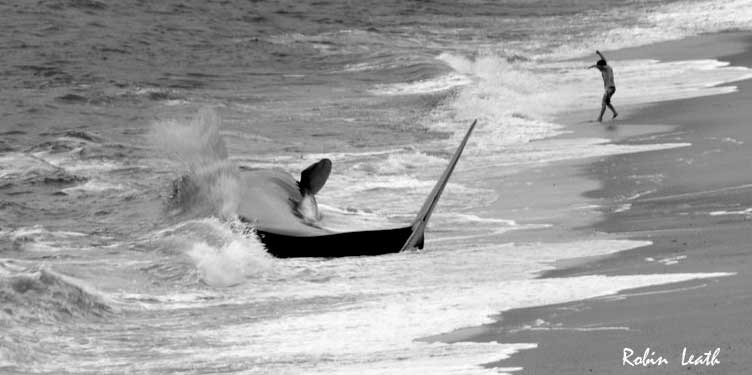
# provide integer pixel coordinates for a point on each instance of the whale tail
(312, 179)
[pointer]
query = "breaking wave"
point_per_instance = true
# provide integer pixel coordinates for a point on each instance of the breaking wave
(218, 253)
(45, 296)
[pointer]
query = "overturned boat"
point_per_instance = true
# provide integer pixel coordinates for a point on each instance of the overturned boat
(276, 193)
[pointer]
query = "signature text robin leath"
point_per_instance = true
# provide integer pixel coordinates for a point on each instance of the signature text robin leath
(649, 358)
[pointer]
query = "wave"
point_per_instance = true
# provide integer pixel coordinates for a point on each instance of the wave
(514, 103)
(73, 157)
(229, 264)
(47, 297)
(89, 5)
(215, 252)
(399, 163)
(21, 168)
(67, 141)
(517, 103)
(14, 209)
(5, 146)
(40, 239)
(81, 137)
(428, 86)
(666, 22)
(70, 165)
(437, 292)
(94, 187)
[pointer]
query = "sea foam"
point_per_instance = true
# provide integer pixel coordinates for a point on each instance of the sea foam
(436, 292)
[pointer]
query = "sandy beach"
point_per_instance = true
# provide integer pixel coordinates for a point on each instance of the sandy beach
(693, 203)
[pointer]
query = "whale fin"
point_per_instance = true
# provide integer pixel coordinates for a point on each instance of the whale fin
(313, 178)
(421, 221)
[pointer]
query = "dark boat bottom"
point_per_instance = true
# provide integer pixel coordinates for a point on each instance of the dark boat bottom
(336, 245)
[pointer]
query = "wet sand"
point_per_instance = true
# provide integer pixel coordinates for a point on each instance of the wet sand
(694, 203)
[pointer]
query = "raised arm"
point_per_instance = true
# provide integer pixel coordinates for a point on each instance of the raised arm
(601, 55)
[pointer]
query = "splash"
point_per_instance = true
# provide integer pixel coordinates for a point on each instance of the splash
(224, 253)
(196, 142)
(229, 264)
(210, 181)
(508, 88)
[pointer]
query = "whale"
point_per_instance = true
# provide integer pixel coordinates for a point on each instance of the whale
(283, 213)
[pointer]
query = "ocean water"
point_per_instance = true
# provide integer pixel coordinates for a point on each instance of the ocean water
(105, 104)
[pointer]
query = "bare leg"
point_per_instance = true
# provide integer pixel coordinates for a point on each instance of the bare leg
(603, 110)
(607, 103)
(612, 110)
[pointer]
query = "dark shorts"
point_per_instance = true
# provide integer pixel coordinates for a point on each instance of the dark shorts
(607, 96)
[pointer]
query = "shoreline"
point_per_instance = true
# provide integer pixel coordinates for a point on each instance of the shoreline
(677, 208)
